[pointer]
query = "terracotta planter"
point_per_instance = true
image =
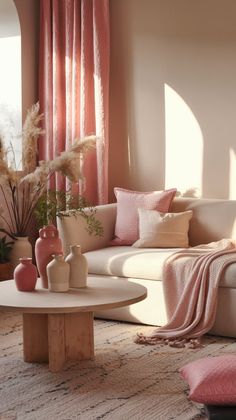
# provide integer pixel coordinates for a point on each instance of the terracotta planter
(6, 271)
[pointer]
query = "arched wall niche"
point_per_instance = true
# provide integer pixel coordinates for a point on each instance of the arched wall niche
(21, 18)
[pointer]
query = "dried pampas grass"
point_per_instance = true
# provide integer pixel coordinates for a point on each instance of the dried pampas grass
(21, 193)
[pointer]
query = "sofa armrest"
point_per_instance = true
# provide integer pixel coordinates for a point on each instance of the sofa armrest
(72, 229)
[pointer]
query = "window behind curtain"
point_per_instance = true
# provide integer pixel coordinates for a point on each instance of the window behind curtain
(10, 78)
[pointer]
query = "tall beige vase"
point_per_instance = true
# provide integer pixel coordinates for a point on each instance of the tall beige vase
(21, 248)
(78, 267)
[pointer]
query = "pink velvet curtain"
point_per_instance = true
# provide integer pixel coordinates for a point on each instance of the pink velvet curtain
(74, 85)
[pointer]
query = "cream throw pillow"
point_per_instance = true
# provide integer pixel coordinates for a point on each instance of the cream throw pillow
(163, 230)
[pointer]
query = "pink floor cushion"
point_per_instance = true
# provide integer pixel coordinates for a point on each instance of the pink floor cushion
(212, 380)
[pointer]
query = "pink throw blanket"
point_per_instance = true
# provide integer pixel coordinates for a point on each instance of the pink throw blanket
(190, 282)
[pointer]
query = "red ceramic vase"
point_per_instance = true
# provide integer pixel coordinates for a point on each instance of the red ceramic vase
(25, 275)
(47, 244)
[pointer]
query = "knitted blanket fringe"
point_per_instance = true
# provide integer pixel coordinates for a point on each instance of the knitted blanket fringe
(190, 283)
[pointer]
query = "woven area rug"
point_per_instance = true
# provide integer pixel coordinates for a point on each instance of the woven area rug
(125, 381)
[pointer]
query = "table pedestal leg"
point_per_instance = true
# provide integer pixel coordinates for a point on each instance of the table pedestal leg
(58, 338)
(35, 337)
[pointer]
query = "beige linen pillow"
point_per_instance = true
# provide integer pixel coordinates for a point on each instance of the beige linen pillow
(163, 230)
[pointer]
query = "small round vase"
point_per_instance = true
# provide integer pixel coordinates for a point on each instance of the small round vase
(21, 248)
(25, 275)
(46, 245)
(78, 267)
(58, 272)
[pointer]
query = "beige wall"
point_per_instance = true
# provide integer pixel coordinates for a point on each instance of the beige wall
(173, 96)
(173, 92)
(28, 11)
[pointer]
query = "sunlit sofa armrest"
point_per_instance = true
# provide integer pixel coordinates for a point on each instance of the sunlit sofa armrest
(72, 229)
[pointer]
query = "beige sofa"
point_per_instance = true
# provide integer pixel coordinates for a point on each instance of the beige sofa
(213, 219)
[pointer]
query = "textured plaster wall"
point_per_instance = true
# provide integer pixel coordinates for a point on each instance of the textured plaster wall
(173, 96)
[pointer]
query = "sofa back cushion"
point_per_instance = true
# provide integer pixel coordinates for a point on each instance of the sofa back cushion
(212, 220)
(73, 229)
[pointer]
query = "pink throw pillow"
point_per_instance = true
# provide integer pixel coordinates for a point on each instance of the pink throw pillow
(128, 202)
(212, 380)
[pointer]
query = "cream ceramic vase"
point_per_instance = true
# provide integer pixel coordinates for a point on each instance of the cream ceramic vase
(21, 248)
(58, 272)
(78, 267)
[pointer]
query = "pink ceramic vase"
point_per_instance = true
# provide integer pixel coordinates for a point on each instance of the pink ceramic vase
(47, 244)
(25, 275)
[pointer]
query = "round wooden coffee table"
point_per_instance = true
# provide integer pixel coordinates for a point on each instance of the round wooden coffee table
(58, 327)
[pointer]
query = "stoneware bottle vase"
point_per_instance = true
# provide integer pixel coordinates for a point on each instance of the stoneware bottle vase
(25, 275)
(21, 248)
(78, 267)
(58, 272)
(46, 245)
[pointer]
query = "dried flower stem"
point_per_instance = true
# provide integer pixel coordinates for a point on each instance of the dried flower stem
(8, 208)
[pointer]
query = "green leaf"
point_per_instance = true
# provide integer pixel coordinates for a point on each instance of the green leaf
(57, 203)
(5, 249)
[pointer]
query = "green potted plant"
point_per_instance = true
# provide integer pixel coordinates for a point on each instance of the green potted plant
(6, 271)
(54, 204)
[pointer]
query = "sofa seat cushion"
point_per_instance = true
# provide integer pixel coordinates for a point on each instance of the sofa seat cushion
(126, 261)
(141, 263)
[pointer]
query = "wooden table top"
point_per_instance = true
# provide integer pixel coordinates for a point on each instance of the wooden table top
(100, 293)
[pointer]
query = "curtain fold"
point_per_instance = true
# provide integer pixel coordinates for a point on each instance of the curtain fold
(74, 86)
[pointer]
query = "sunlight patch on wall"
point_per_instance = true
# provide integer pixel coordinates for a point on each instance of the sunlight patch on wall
(10, 93)
(184, 146)
(232, 174)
